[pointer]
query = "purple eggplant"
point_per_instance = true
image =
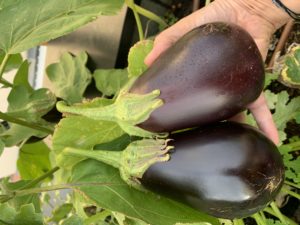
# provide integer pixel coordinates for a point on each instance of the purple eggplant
(210, 74)
(226, 169)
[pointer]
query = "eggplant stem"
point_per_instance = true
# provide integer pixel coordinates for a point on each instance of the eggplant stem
(131, 162)
(3, 64)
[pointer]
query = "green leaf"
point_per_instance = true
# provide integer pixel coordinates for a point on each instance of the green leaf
(73, 220)
(21, 78)
(70, 77)
(47, 20)
(18, 133)
(18, 202)
(105, 187)
(30, 105)
(270, 77)
(14, 61)
(25, 216)
(285, 110)
(136, 57)
(290, 74)
(28, 216)
(61, 212)
(33, 160)
(7, 214)
(110, 81)
(82, 132)
(291, 163)
(273, 222)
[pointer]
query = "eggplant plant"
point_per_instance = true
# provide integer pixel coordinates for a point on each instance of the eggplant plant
(118, 172)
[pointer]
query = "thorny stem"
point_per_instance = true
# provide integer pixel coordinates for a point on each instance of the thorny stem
(292, 193)
(270, 211)
(278, 213)
(132, 6)
(3, 65)
(24, 123)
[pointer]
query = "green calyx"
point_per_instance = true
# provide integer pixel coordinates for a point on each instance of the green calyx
(131, 162)
(127, 110)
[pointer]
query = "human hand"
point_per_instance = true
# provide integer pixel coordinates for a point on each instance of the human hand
(259, 17)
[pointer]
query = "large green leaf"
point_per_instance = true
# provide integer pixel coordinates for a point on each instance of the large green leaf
(33, 160)
(25, 216)
(73, 220)
(21, 77)
(27, 23)
(105, 187)
(30, 105)
(61, 212)
(82, 132)
(110, 81)
(70, 77)
(18, 202)
(14, 61)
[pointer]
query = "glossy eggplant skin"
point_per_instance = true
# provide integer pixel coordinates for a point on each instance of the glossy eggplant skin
(210, 74)
(227, 170)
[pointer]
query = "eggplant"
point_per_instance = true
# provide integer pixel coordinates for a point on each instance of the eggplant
(228, 170)
(210, 74)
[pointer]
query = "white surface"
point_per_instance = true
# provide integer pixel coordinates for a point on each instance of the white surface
(8, 159)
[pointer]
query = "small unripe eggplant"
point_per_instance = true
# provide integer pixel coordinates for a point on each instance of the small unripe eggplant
(210, 74)
(227, 170)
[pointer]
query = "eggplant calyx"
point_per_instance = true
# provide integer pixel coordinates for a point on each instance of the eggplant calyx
(139, 156)
(128, 110)
(131, 162)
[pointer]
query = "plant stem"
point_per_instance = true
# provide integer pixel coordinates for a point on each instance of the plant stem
(278, 213)
(58, 187)
(39, 179)
(270, 211)
(111, 158)
(292, 184)
(24, 123)
(3, 64)
(132, 6)
(6, 83)
(292, 193)
(150, 15)
(259, 220)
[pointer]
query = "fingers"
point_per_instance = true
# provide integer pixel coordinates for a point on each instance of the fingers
(263, 117)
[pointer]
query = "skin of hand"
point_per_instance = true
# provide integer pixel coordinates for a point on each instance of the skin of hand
(261, 18)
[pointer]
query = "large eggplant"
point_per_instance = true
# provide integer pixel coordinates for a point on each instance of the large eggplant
(227, 170)
(210, 74)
